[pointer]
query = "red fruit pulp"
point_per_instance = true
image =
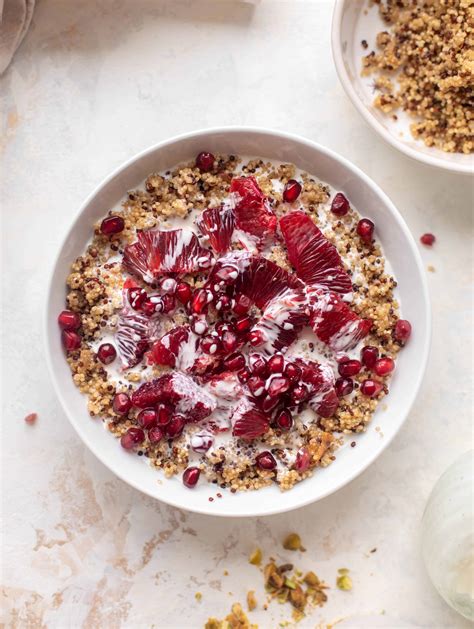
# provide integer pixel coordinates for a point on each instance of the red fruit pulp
(121, 404)
(112, 225)
(291, 191)
(365, 229)
(106, 353)
(428, 239)
(132, 438)
(205, 161)
(384, 366)
(349, 368)
(369, 355)
(344, 386)
(191, 477)
(155, 434)
(402, 330)
(68, 320)
(71, 340)
(284, 419)
(340, 205)
(266, 461)
(183, 292)
(276, 363)
(147, 418)
(371, 388)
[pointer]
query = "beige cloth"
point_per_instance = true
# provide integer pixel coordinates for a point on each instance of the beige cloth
(15, 18)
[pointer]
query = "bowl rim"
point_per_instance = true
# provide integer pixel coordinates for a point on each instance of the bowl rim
(430, 160)
(418, 379)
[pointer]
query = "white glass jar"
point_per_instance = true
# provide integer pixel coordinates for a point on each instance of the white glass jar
(448, 535)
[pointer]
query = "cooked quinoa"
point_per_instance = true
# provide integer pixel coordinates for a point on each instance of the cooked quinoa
(428, 51)
(94, 292)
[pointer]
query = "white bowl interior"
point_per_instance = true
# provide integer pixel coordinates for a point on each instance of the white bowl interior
(353, 21)
(400, 250)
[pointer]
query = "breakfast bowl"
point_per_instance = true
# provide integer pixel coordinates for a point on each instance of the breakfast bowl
(355, 454)
(355, 26)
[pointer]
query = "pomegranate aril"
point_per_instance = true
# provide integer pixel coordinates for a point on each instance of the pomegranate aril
(277, 385)
(169, 303)
(268, 403)
(365, 229)
(349, 368)
(69, 320)
(132, 438)
(242, 305)
(370, 387)
(199, 325)
(292, 372)
(384, 366)
(121, 403)
(201, 441)
(256, 386)
(303, 460)
(257, 364)
(184, 292)
(210, 345)
(191, 476)
(201, 299)
(163, 414)
(256, 338)
(234, 362)
(106, 353)
(344, 386)
(151, 307)
(136, 297)
(112, 225)
(155, 435)
(402, 330)
(299, 393)
(243, 375)
(340, 205)
(243, 324)
(147, 418)
(266, 461)
(229, 341)
(276, 363)
(71, 340)
(369, 355)
(284, 419)
(427, 239)
(205, 161)
(175, 426)
(168, 285)
(223, 303)
(291, 191)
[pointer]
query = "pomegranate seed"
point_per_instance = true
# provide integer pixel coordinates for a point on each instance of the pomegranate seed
(169, 303)
(303, 460)
(201, 441)
(291, 191)
(155, 435)
(266, 461)
(175, 426)
(31, 418)
(229, 341)
(163, 414)
(223, 326)
(371, 388)
(384, 366)
(184, 292)
(69, 320)
(276, 363)
(277, 385)
(349, 368)
(242, 305)
(106, 353)
(199, 324)
(256, 386)
(340, 205)
(136, 297)
(112, 225)
(133, 437)
(234, 362)
(121, 404)
(268, 403)
(342, 359)
(168, 285)
(402, 331)
(191, 476)
(292, 372)
(344, 386)
(71, 340)
(210, 345)
(369, 355)
(205, 162)
(428, 239)
(243, 375)
(284, 419)
(257, 364)
(201, 299)
(147, 418)
(256, 338)
(365, 229)
(243, 324)
(299, 393)
(223, 303)
(150, 307)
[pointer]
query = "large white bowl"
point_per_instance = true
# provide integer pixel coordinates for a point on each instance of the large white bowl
(399, 247)
(353, 21)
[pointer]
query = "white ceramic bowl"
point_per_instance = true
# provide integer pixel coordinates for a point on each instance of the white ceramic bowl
(399, 247)
(352, 22)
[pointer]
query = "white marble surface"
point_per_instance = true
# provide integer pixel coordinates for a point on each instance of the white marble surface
(94, 82)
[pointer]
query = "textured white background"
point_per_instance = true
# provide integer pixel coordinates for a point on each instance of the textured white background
(94, 82)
